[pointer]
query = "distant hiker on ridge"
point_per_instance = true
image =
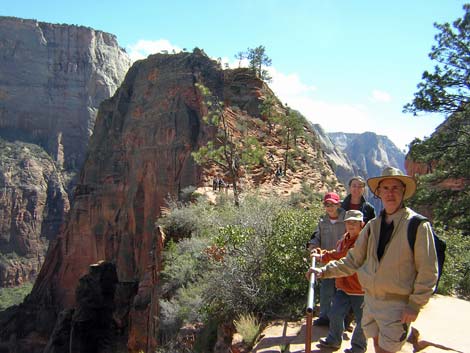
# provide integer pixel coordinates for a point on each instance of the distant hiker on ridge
(398, 281)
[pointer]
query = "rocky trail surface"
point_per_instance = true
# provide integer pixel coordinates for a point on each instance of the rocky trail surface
(442, 326)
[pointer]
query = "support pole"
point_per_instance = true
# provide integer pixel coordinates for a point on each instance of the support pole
(310, 307)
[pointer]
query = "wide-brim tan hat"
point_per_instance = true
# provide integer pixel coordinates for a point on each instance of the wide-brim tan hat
(393, 173)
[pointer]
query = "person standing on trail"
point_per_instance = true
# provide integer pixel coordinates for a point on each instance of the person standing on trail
(349, 293)
(330, 229)
(355, 199)
(397, 280)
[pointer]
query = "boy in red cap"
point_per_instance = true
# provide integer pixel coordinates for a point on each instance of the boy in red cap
(330, 229)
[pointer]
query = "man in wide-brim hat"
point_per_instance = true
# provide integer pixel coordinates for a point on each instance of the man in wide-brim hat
(398, 281)
(408, 183)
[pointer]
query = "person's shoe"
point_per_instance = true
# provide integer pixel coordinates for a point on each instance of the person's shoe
(321, 321)
(350, 350)
(325, 343)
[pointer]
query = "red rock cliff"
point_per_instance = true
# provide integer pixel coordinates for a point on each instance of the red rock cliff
(52, 79)
(139, 153)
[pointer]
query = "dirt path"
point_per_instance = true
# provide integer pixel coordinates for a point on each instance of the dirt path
(442, 326)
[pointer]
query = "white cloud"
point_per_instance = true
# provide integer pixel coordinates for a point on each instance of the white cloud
(144, 48)
(381, 96)
(331, 116)
(335, 116)
(289, 86)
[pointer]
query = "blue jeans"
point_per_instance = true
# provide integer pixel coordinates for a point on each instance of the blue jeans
(327, 292)
(342, 303)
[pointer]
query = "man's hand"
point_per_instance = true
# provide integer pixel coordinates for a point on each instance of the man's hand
(316, 271)
(408, 316)
(316, 253)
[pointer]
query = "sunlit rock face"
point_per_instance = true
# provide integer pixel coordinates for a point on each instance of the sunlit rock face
(364, 154)
(138, 155)
(52, 79)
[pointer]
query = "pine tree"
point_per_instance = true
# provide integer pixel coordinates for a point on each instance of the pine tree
(233, 148)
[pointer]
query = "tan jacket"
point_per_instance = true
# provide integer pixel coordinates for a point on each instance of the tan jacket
(399, 275)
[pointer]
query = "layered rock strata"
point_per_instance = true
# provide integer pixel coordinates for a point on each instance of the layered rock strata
(364, 154)
(52, 80)
(139, 154)
(33, 206)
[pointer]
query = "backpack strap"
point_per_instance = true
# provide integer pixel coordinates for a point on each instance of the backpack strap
(413, 224)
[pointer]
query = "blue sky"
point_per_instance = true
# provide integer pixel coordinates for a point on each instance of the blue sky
(349, 65)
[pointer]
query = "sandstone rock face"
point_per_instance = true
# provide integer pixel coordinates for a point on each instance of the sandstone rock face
(344, 167)
(363, 154)
(52, 80)
(417, 168)
(369, 152)
(139, 153)
(33, 204)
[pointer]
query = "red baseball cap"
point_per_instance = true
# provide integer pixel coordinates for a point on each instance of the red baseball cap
(332, 197)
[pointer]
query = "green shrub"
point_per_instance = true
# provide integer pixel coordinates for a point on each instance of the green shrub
(448, 207)
(455, 279)
(14, 295)
(248, 326)
(250, 258)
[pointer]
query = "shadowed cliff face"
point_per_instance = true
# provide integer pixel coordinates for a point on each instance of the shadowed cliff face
(139, 154)
(33, 204)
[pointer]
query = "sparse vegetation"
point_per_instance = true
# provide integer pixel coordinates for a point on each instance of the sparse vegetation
(230, 150)
(248, 326)
(14, 295)
(234, 260)
(257, 59)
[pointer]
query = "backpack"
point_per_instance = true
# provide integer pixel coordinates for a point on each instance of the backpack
(440, 244)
